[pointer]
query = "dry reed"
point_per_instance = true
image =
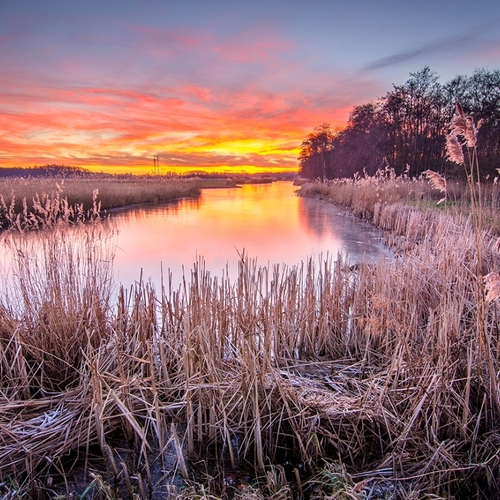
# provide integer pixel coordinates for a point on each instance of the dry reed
(378, 367)
(315, 380)
(438, 182)
(39, 203)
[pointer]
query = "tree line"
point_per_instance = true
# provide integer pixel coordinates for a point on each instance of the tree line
(43, 171)
(406, 129)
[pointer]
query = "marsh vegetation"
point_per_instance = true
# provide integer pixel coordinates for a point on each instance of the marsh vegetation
(315, 381)
(35, 203)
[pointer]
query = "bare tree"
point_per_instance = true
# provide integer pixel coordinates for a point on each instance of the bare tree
(315, 152)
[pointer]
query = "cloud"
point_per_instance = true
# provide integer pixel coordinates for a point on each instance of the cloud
(190, 125)
(193, 98)
(457, 43)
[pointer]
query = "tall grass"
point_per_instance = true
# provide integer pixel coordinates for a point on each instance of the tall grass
(366, 195)
(315, 381)
(38, 203)
(309, 380)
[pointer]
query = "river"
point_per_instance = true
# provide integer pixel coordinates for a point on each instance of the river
(268, 222)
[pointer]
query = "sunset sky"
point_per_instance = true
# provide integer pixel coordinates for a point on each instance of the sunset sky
(213, 84)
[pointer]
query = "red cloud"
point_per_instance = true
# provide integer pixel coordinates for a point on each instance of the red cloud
(192, 98)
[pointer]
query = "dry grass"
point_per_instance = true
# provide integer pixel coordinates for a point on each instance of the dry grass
(383, 369)
(366, 196)
(38, 203)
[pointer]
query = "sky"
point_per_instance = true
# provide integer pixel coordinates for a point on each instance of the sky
(213, 85)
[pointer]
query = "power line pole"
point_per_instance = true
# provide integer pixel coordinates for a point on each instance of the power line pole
(156, 164)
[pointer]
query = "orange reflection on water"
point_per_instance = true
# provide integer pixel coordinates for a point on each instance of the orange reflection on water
(268, 222)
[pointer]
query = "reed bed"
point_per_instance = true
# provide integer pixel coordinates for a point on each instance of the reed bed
(364, 195)
(316, 381)
(38, 203)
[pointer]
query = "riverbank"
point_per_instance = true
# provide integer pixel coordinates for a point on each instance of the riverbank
(366, 196)
(35, 203)
(325, 381)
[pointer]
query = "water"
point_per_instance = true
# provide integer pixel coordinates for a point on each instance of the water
(266, 221)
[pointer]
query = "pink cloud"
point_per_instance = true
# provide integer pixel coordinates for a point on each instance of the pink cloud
(249, 46)
(195, 95)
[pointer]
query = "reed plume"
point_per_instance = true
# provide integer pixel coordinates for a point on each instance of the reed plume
(454, 149)
(461, 125)
(458, 124)
(492, 286)
(438, 182)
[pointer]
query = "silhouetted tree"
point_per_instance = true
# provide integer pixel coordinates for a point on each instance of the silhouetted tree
(408, 127)
(362, 145)
(315, 153)
(46, 171)
(480, 98)
(416, 123)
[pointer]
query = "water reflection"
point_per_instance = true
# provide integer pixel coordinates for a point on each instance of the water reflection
(359, 239)
(268, 222)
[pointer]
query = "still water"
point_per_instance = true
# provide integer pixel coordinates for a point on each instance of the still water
(267, 222)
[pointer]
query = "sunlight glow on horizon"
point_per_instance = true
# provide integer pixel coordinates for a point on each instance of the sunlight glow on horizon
(200, 101)
(109, 136)
(107, 85)
(185, 170)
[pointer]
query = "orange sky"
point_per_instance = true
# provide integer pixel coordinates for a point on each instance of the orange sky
(189, 127)
(106, 85)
